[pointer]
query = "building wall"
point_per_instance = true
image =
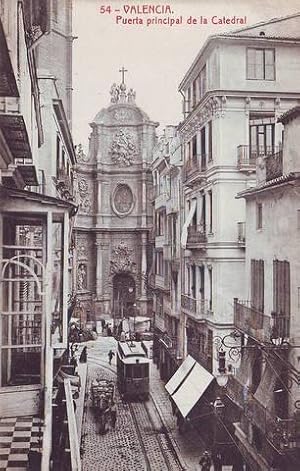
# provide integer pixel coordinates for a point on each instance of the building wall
(278, 239)
(287, 63)
(59, 39)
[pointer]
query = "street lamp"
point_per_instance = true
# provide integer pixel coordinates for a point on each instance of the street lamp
(222, 377)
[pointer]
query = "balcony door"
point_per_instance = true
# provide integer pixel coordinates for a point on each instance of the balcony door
(262, 137)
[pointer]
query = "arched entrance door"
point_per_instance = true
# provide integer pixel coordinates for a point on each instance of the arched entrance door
(124, 293)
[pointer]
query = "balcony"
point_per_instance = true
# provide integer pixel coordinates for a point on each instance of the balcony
(236, 391)
(274, 166)
(196, 235)
(241, 229)
(282, 433)
(196, 308)
(172, 205)
(160, 198)
(162, 282)
(251, 321)
(246, 156)
(151, 281)
(194, 169)
(280, 326)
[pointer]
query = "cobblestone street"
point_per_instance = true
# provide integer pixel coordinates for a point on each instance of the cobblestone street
(118, 449)
(121, 449)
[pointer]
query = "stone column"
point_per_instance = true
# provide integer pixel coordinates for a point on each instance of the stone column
(143, 265)
(101, 248)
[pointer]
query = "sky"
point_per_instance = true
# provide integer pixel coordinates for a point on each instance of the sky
(156, 56)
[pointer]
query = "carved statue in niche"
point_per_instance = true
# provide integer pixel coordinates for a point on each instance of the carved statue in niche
(122, 259)
(81, 277)
(81, 155)
(123, 199)
(123, 148)
(83, 187)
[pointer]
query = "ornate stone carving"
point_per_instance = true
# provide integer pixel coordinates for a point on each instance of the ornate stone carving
(122, 260)
(81, 277)
(123, 115)
(119, 95)
(85, 197)
(114, 92)
(123, 148)
(83, 187)
(80, 154)
(122, 200)
(86, 205)
(82, 249)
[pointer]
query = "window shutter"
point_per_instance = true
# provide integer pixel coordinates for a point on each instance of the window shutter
(261, 285)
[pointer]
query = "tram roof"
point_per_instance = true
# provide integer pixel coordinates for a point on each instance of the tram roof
(132, 349)
(135, 360)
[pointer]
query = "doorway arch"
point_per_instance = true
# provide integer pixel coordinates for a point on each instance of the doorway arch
(124, 295)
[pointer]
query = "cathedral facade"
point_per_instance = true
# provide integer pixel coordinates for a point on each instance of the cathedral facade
(114, 222)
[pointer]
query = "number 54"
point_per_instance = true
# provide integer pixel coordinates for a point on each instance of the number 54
(105, 9)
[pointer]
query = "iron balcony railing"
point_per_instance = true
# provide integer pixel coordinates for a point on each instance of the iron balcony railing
(241, 232)
(274, 165)
(247, 155)
(196, 234)
(198, 308)
(193, 166)
(236, 391)
(282, 433)
(280, 325)
(251, 321)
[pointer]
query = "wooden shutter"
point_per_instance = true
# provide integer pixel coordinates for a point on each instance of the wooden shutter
(257, 284)
(282, 294)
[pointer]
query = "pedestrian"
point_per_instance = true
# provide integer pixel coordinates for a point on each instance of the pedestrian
(205, 461)
(113, 414)
(110, 356)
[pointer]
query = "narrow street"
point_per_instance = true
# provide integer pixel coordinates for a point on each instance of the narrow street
(144, 438)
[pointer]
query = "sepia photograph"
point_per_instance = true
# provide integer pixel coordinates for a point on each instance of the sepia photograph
(149, 235)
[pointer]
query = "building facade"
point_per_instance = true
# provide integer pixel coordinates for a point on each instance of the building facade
(35, 233)
(268, 432)
(165, 277)
(115, 218)
(231, 135)
(230, 120)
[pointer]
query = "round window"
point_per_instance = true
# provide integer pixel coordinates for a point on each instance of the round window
(123, 200)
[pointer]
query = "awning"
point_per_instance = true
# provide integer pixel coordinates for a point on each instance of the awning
(264, 393)
(180, 374)
(187, 222)
(188, 384)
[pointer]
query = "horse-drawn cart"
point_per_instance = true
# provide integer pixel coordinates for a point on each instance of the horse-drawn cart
(102, 393)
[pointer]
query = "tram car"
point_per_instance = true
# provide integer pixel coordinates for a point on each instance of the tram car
(132, 370)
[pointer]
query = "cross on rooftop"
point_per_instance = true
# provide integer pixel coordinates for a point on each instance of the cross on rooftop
(123, 71)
